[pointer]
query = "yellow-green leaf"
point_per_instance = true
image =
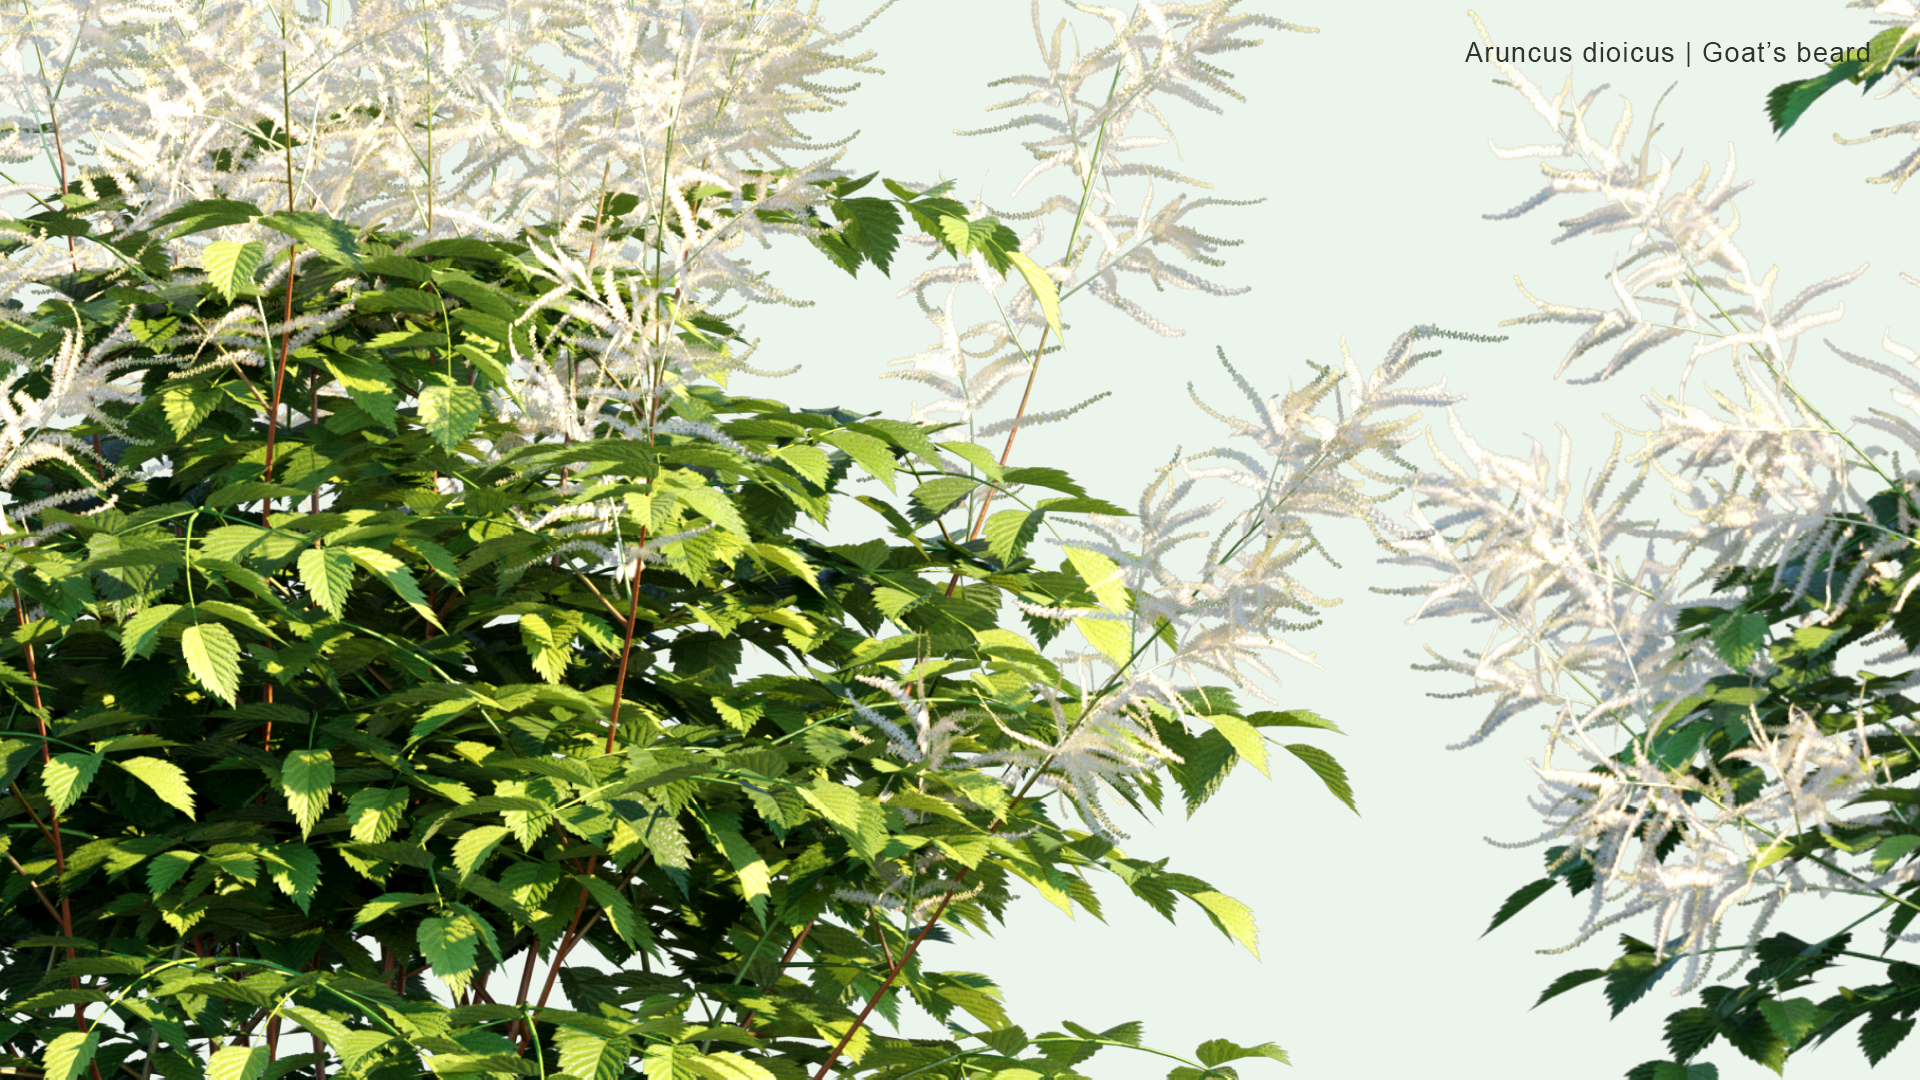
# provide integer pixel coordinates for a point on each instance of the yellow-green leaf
(66, 777)
(307, 782)
(372, 813)
(213, 658)
(1231, 916)
(164, 778)
(230, 265)
(473, 847)
(238, 1063)
(140, 633)
(451, 947)
(69, 1053)
(1245, 739)
(1045, 291)
(857, 817)
(450, 413)
(327, 573)
(1102, 576)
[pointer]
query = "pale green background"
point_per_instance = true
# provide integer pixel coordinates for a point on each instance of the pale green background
(1369, 142)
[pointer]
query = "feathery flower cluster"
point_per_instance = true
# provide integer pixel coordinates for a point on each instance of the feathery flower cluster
(1581, 592)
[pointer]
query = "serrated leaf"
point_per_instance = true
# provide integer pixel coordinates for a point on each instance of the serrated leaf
(723, 827)
(716, 507)
(866, 451)
(1008, 532)
(1793, 1019)
(619, 911)
(213, 658)
(474, 846)
(306, 779)
(238, 1063)
(230, 265)
(1102, 576)
(1892, 850)
(809, 461)
(294, 870)
(1231, 916)
(140, 633)
(68, 1054)
(372, 813)
(1881, 1034)
(396, 576)
(1220, 1051)
(327, 573)
(185, 406)
(1739, 639)
(164, 779)
(451, 946)
(1328, 770)
(1046, 292)
(1567, 982)
(1293, 718)
(450, 413)
(165, 869)
(65, 778)
(590, 1056)
(939, 494)
(368, 382)
(857, 817)
(331, 238)
(203, 214)
(1524, 895)
(1245, 739)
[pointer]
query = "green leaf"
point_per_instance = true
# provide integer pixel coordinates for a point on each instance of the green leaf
(66, 776)
(716, 507)
(451, 946)
(1102, 576)
(397, 577)
(1524, 895)
(1739, 639)
(368, 382)
(1008, 532)
(203, 214)
(723, 826)
(213, 657)
(939, 494)
(871, 227)
(332, 239)
(238, 1063)
(68, 1054)
(139, 634)
(1231, 916)
(1293, 718)
(1250, 744)
(619, 910)
(295, 870)
(866, 451)
(587, 1055)
(1567, 982)
(327, 573)
(165, 869)
(1329, 771)
(386, 903)
(1045, 291)
(164, 778)
(185, 406)
(1793, 1019)
(1220, 1051)
(473, 847)
(306, 779)
(857, 817)
(1878, 1036)
(372, 813)
(1892, 850)
(450, 413)
(230, 266)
